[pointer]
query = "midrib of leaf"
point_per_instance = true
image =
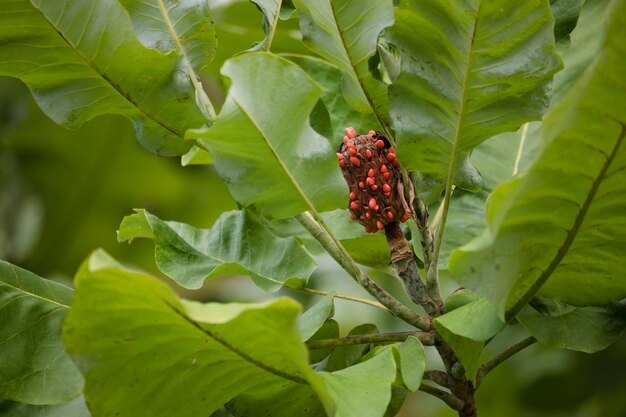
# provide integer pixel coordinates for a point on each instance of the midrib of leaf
(190, 71)
(294, 378)
(109, 81)
(520, 149)
(571, 234)
(455, 143)
(370, 101)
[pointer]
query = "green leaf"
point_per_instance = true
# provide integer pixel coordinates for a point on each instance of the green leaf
(263, 145)
(73, 408)
(329, 330)
(185, 27)
(345, 356)
(566, 14)
(586, 329)
(314, 318)
(466, 329)
(33, 309)
(187, 349)
(341, 113)
(561, 224)
(82, 59)
(412, 362)
(470, 69)
(189, 255)
(271, 12)
(345, 33)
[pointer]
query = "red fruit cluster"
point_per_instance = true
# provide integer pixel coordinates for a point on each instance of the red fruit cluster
(372, 171)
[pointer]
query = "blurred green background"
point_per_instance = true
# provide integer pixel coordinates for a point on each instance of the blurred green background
(63, 194)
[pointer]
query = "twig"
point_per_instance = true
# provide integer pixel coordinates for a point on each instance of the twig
(342, 296)
(425, 338)
(497, 360)
(318, 229)
(272, 30)
(439, 378)
(452, 401)
(403, 260)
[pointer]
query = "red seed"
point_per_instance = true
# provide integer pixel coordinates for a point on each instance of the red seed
(372, 132)
(387, 194)
(395, 163)
(350, 132)
(384, 169)
(372, 203)
(342, 163)
(371, 181)
(352, 151)
(386, 175)
(380, 225)
(339, 156)
(374, 187)
(389, 214)
(369, 229)
(361, 185)
(345, 139)
(371, 173)
(379, 144)
(391, 156)
(354, 205)
(368, 153)
(391, 150)
(405, 217)
(376, 208)
(386, 188)
(355, 161)
(368, 215)
(352, 216)
(352, 195)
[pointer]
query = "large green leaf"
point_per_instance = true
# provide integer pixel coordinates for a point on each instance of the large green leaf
(563, 219)
(586, 329)
(35, 369)
(190, 255)
(466, 329)
(345, 32)
(127, 329)
(82, 59)
(471, 69)
(263, 145)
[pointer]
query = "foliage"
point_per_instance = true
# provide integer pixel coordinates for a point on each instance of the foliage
(526, 209)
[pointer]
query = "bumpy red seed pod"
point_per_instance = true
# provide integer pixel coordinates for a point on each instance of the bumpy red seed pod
(372, 171)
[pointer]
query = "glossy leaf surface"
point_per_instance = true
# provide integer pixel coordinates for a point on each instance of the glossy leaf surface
(263, 146)
(470, 69)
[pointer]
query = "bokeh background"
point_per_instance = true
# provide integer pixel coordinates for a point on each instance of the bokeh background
(63, 194)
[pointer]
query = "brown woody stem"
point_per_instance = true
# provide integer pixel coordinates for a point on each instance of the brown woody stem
(498, 359)
(452, 401)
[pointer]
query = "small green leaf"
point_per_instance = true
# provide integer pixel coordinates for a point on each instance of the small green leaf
(412, 362)
(263, 146)
(467, 328)
(471, 69)
(33, 309)
(83, 59)
(557, 230)
(271, 10)
(586, 329)
(329, 330)
(345, 33)
(189, 255)
(314, 318)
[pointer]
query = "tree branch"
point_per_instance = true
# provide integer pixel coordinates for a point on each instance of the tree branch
(439, 378)
(497, 360)
(425, 338)
(318, 229)
(452, 401)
